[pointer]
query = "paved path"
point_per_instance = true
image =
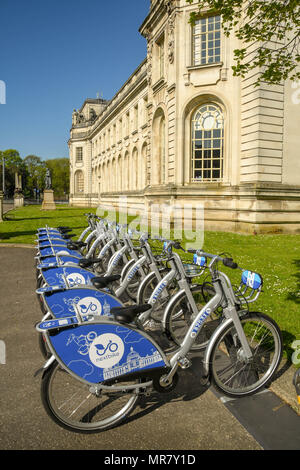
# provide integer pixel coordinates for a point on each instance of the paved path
(7, 206)
(190, 418)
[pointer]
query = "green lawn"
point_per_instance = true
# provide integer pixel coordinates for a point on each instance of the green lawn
(20, 225)
(275, 257)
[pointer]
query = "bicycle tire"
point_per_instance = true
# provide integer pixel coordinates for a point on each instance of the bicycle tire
(82, 416)
(146, 291)
(43, 346)
(180, 316)
(248, 377)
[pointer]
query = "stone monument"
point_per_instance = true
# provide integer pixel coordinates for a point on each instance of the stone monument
(18, 194)
(48, 199)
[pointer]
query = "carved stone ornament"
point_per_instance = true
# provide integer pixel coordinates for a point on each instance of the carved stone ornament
(170, 5)
(171, 51)
(171, 39)
(149, 62)
(93, 114)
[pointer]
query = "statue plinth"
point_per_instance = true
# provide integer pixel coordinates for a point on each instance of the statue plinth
(18, 198)
(48, 200)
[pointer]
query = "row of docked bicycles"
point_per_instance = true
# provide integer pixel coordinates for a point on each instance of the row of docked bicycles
(122, 313)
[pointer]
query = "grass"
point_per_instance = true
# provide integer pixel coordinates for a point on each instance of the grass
(275, 257)
(20, 225)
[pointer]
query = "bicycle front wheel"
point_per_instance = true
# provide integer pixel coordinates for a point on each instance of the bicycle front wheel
(74, 406)
(180, 316)
(231, 372)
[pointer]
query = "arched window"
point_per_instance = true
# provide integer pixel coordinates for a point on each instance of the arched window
(162, 142)
(159, 156)
(79, 182)
(207, 144)
(134, 170)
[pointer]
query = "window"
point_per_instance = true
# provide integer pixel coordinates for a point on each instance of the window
(79, 182)
(162, 138)
(127, 124)
(120, 129)
(79, 154)
(145, 111)
(207, 40)
(207, 144)
(136, 117)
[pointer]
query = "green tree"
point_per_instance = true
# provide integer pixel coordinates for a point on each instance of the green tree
(13, 164)
(35, 174)
(60, 175)
(274, 28)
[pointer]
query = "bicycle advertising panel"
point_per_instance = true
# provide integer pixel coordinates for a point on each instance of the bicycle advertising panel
(58, 250)
(97, 352)
(67, 276)
(55, 261)
(85, 301)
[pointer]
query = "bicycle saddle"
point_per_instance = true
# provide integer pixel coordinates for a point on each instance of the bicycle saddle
(73, 245)
(128, 314)
(86, 262)
(64, 229)
(100, 281)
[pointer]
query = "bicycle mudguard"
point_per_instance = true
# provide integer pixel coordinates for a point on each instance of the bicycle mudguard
(104, 350)
(63, 302)
(74, 276)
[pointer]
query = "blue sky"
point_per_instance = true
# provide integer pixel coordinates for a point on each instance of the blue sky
(55, 54)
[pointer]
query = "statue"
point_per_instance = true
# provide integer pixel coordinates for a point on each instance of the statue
(48, 198)
(48, 181)
(93, 114)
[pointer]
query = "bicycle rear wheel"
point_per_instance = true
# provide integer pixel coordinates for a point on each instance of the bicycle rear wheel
(74, 406)
(231, 372)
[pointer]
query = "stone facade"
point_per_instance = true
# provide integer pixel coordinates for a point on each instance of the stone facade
(183, 130)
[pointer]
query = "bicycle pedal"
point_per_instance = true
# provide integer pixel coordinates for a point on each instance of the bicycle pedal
(185, 363)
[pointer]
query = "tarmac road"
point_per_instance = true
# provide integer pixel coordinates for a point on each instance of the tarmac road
(189, 418)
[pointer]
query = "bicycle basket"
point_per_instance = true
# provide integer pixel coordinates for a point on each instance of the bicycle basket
(250, 286)
(197, 267)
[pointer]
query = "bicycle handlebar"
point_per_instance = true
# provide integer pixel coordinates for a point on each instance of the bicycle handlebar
(228, 262)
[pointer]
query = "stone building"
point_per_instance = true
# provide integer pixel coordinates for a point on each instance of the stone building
(183, 130)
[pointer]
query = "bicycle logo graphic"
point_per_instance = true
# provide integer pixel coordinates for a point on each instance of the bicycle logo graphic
(101, 350)
(106, 350)
(89, 305)
(75, 279)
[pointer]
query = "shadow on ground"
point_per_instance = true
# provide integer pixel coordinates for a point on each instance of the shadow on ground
(295, 296)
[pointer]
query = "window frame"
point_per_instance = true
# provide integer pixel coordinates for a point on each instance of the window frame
(77, 190)
(205, 147)
(216, 57)
(78, 158)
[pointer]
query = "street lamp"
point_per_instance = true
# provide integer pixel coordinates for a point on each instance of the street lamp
(3, 175)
